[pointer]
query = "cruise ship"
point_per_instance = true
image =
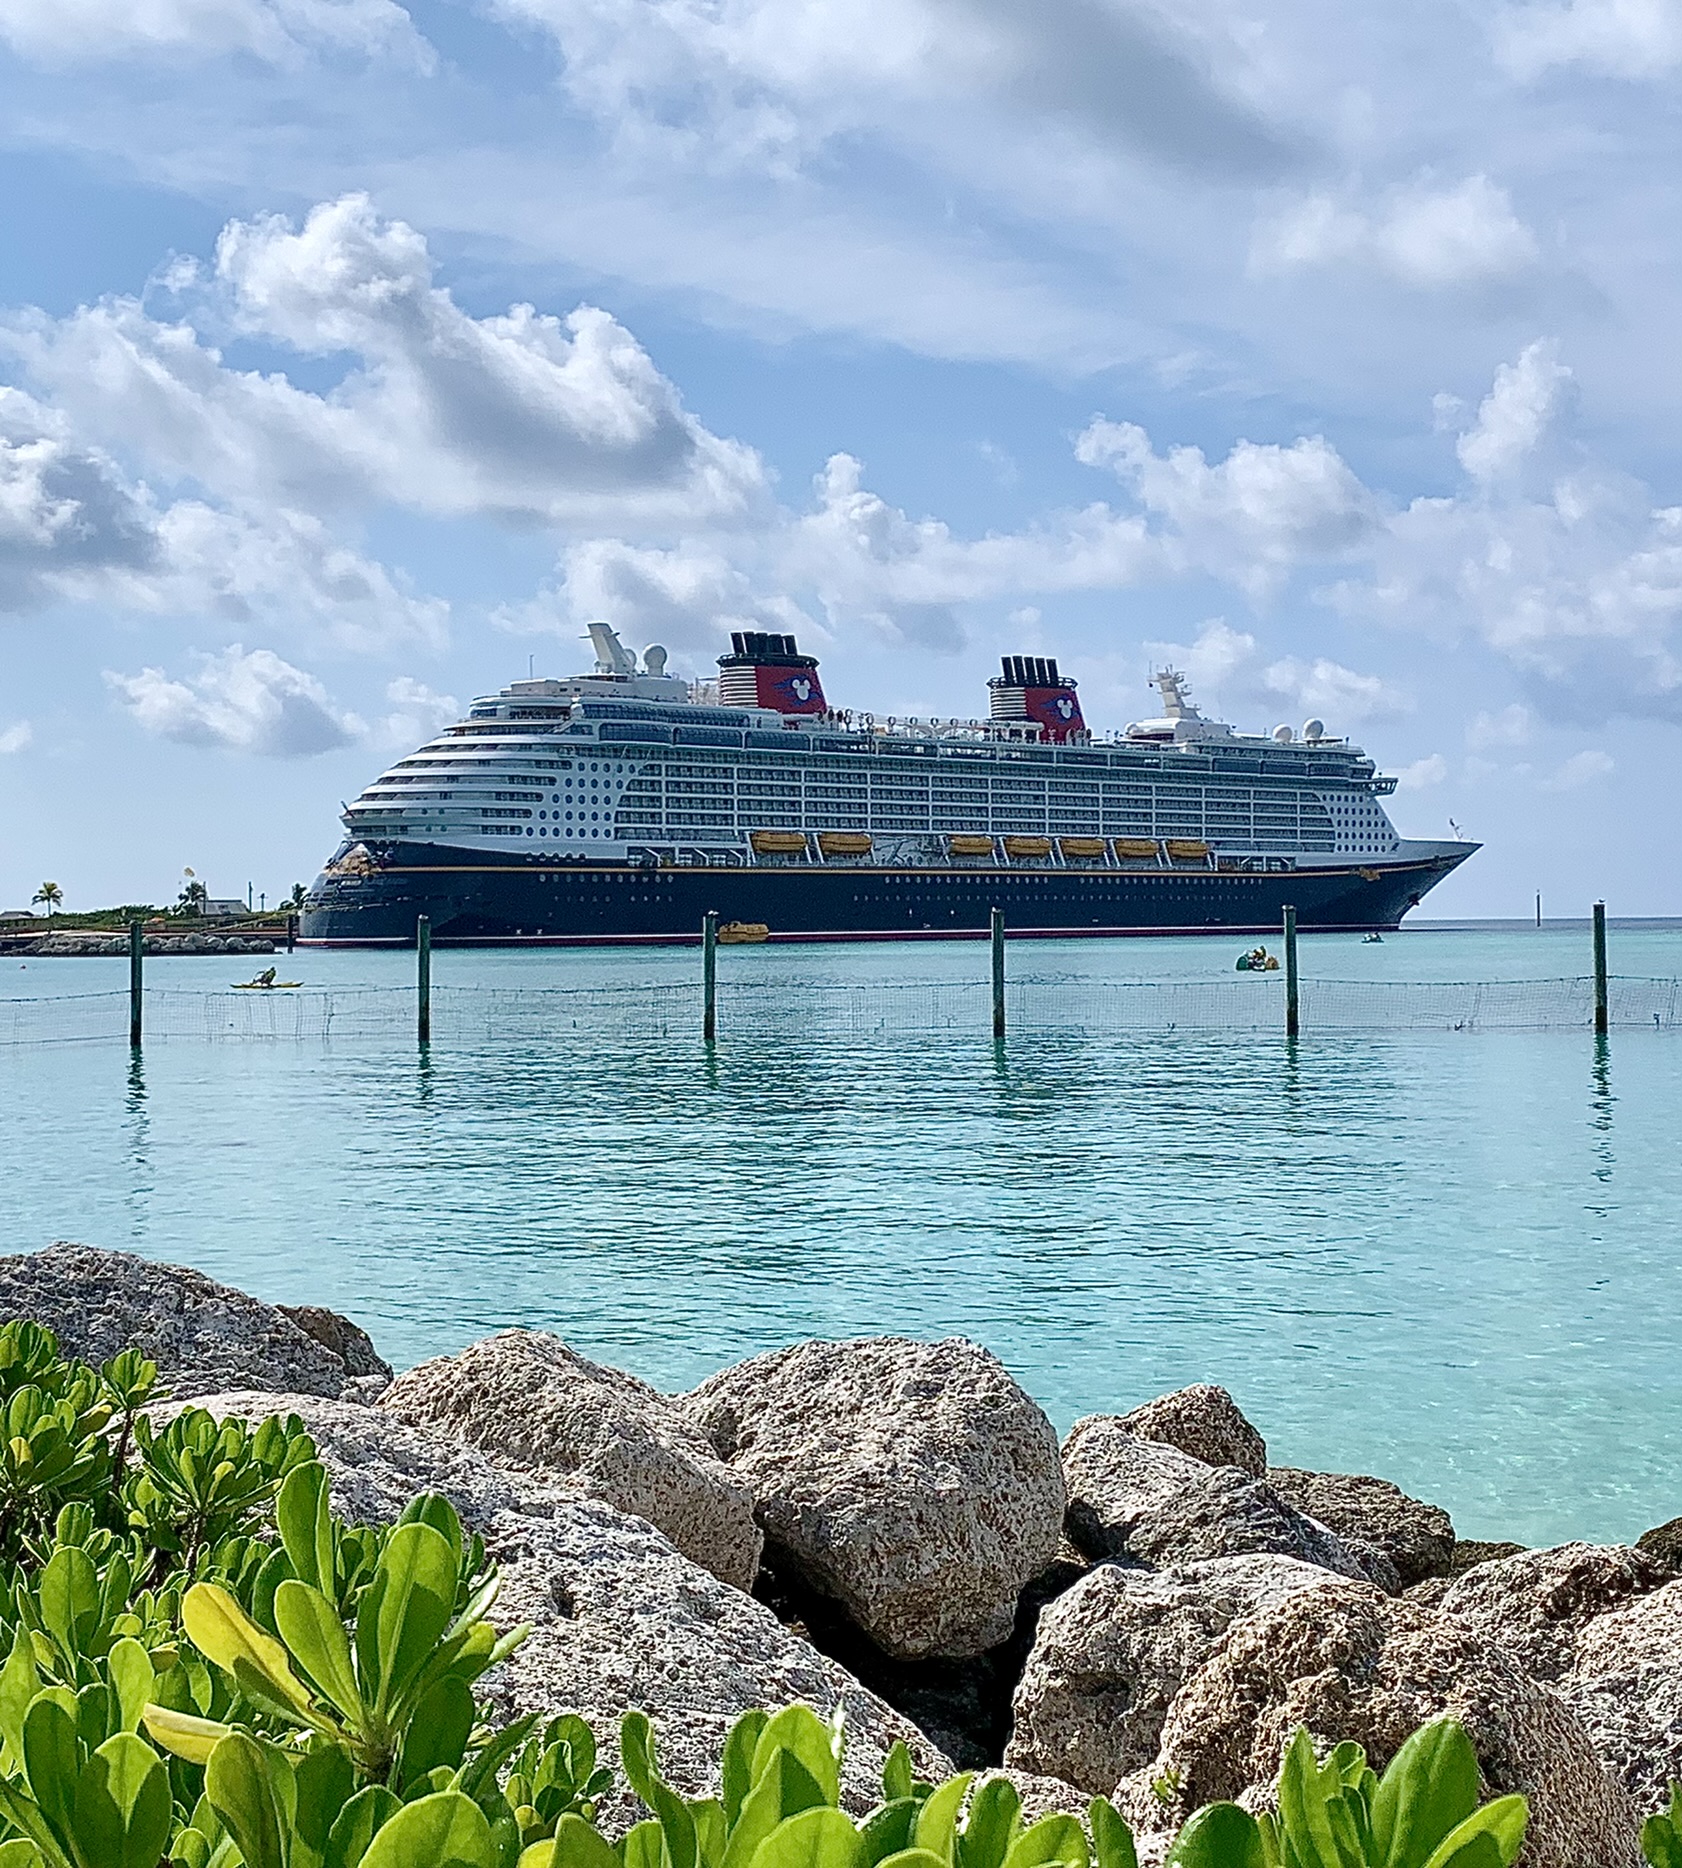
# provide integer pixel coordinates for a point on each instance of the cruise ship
(627, 804)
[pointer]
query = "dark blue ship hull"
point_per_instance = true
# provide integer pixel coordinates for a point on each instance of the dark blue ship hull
(473, 899)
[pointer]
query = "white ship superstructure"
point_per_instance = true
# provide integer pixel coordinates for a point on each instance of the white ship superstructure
(629, 763)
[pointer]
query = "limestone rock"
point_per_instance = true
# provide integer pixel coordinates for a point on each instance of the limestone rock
(915, 1483)
(1110, 1655)
(1469, 1552)
(1349, 1663)
(1205, 1422)
(1153, 1504)
(348, 1341)
(1664, 1541)
(204, 1336)
(620, 1618)
(525, 1396)
(1535, 1605)
(1625, 1685)
(1416, 1537)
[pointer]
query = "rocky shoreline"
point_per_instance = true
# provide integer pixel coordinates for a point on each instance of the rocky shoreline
(1145, 1611)
(93, 946)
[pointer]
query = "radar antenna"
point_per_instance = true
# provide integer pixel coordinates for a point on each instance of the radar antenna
(1176, 696)
(612, 657)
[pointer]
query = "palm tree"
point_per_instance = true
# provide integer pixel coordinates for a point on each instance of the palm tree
(192, 898)
(295, 901)
(51, 896)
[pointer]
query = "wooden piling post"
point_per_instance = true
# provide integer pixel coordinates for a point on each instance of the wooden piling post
(997, 928)
(709, 977)
(291, 932)
(136, 981)
(423, 979)
(1602, 1009)
(1293, 1021)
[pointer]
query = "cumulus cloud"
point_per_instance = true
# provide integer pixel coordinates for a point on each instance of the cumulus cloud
(1513, 418)
(16, 737)
(1582, 768)
(280, 31)
(67, 517)
(419, 712)
(1624, 38)
(239, 701)
(523, 417)
(1423, 773)
(1251, 517)
(1512, 725)
(1424, 235)
(1231, 663)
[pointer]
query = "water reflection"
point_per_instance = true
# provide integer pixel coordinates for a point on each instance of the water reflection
(1601, 1100)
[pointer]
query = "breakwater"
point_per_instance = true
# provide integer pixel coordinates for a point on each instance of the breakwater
(1141, 1610)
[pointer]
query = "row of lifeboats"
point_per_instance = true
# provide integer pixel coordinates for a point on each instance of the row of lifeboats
(1016, 848)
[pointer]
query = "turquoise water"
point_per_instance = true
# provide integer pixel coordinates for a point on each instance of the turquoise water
(1449, 1258)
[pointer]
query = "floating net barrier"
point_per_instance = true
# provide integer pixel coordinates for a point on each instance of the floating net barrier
(470, 1014)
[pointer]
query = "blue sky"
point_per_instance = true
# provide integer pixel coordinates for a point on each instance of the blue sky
(352, 357)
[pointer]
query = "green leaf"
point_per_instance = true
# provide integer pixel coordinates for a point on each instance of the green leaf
(183, 1733)
(19, 1853)
(995, 1813)
(784, 1789)
(326, 1780)
(1431, 1785)
(236, 1780)
(1488, 1838)
(911, 1858)
(414, 1599)
(438, 1730)
(310, 1626)
(937, 1821)
(446, 1830)
(20, 1681)
(132, 1679)
(712, 1831)
(222, 1631)
(305, 1522)
(1303, 1806)
(1220, 1835)
(887, 1830)
(799, 1729)
(1661, 1838)
(1112, 1840)
(52, 1760)
(577, 1844)
(123, 1812)
(1051, 1839)
(356, 1825)
(68, 1596)
(816, 1838)
(736, 1773)
(896, 1772)
(643, 1846)
(636, 1753)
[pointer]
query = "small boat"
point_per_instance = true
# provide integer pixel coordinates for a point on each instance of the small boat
(1372, 940)
(1257, 960)
(266, 982)
(743, 934)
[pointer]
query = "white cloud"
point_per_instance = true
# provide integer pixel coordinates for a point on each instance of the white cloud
(1514, 725)
(1251, 517)
(16, 737)
(1513, 418)
(420, 712)
(1424, 235)
(1229, 663)
(1423, 773)
(245, 702)
(1624, 38)
(523, 417)
(1582, 768)
(281, 31)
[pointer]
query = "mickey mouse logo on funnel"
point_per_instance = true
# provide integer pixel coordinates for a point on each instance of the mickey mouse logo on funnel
(765, 670)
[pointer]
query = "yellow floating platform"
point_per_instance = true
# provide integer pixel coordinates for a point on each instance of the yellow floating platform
(743, 933)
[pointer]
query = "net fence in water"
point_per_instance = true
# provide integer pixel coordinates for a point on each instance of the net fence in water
(468, 1014)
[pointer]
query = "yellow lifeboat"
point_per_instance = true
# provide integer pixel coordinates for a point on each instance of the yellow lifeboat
(843, 843)
(1083, 849)
(743, 934)
(969, 846)
(1186, 850)
(777, 842)
(1135, 850)
(1027, 846)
